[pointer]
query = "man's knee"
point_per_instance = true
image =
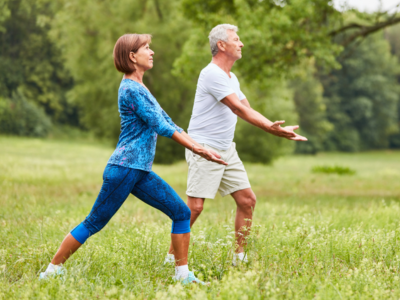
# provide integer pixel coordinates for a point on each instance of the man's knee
(195, 205)
(196, 208)
(248, 202)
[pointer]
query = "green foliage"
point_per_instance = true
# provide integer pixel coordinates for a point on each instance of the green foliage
(308, 98)
(333, 170)
(362, 98)
(252, 143)
(277, 37)
(21, 117)
(393, 36)
(4, 14)
(29, 62)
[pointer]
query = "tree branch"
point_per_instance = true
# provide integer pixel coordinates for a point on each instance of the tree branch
(364, 30)
(344, 28)
(367, 30)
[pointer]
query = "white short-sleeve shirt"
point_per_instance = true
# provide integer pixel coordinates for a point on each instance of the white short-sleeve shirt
(212, 122)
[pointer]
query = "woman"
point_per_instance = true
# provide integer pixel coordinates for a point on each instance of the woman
(129, 167)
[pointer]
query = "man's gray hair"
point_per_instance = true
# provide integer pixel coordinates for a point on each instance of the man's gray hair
(218, 33)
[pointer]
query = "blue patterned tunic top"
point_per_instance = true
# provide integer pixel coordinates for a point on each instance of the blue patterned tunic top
(142, 119)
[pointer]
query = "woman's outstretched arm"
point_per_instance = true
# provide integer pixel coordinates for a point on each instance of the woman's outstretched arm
(189, 143)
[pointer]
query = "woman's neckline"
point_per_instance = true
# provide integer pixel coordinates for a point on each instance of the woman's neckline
(137, 83)
(140, 85)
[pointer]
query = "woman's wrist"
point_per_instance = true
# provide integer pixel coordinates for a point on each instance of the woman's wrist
(197, 149)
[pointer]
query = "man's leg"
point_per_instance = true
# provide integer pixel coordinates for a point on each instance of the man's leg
(246, 202)
(196, 207)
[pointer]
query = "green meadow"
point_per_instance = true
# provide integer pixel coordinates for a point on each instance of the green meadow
(315, 235)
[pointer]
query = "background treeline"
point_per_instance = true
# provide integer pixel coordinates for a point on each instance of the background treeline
(336, 74)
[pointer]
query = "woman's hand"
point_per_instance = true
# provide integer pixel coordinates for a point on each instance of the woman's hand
(210, 155)
(186, 141)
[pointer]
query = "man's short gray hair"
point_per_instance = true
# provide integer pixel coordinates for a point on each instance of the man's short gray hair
(218, 33)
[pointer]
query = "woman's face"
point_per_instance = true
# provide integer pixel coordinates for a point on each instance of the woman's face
(143, 58)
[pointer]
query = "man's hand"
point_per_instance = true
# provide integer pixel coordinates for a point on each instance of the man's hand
(286, 132)
(255, 118)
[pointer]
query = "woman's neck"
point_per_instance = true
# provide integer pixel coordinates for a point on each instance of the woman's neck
(137, 76)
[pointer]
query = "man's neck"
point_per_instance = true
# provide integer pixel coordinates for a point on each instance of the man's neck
(223, 62)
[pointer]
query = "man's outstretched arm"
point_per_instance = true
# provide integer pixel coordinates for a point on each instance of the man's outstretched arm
(243, 110)
(245, 102)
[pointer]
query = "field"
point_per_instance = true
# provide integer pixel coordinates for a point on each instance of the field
(315, 235)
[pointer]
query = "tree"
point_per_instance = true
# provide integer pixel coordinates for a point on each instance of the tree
(393, 36)
(30, 65)
(362, 97)
(311, 108)
(277, 36)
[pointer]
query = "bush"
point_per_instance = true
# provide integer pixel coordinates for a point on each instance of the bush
(20, 117)
(333, 170)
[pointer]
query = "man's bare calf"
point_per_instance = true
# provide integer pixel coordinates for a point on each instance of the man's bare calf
(245, 202)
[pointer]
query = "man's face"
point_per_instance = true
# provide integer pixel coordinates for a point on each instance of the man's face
(233, 48)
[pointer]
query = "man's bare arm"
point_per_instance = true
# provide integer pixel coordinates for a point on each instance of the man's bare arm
(245, 102)
(253, 117)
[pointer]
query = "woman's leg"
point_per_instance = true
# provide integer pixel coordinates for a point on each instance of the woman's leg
(154, 191)
(181, 243)
(68, 246)
(117, 185)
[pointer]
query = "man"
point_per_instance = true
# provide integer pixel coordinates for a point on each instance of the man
(218, 103)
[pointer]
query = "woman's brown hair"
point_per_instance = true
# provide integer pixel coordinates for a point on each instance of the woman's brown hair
(124, 46)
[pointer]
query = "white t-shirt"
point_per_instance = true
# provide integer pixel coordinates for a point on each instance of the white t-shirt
(212, 122)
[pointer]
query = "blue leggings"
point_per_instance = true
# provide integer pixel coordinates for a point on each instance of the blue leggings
(118, 183)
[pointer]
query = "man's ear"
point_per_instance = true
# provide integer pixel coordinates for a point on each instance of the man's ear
(221, 46)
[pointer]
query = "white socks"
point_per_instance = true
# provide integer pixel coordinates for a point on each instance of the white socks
(239, 257)
(181, 272)
(51, 268)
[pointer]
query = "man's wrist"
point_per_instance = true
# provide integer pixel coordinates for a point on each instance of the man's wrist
(268, 127)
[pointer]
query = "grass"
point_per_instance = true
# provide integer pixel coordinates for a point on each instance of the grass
(315, 236)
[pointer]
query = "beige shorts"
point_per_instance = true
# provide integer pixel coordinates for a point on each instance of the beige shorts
(205, 178)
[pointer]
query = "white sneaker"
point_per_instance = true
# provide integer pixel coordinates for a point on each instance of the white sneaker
(190, 279)
(169, 259)
(59, 270)
(239, 258)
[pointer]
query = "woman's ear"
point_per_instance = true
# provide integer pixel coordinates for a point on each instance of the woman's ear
(132, 57)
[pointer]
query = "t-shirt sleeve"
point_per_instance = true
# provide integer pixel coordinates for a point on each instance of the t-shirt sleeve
(217, 85)
(149, 112)
(241, 95)
(170, 122)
